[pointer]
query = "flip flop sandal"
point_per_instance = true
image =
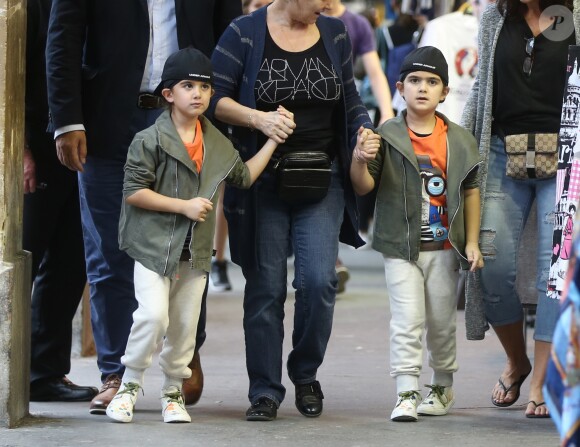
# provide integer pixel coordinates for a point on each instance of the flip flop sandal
(534, 415)
(506, 390)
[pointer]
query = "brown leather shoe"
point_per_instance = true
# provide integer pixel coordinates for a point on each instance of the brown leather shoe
(106, 394)
(193, 387)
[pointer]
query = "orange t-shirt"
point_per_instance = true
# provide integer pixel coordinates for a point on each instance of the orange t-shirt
(195, 148)
(431, 152)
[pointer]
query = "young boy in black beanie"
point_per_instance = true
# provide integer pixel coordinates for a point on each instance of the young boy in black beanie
(427, 220)
(167, 223)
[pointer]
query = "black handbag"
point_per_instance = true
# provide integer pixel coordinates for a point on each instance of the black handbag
(303, 177)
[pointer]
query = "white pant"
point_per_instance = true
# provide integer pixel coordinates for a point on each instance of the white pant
(167, 308)
(422, 294)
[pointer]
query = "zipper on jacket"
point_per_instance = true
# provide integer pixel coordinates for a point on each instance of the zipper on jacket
(406, 214)
(210, 197)
(450, 221)
(174, 221)
(459, 205)
(194, 222)
(220, 182)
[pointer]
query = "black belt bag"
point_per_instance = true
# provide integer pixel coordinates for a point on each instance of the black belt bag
(303, 177)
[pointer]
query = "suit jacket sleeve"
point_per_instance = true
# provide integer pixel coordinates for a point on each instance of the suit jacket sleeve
(64, 51)
(35, 98)
(225, 12)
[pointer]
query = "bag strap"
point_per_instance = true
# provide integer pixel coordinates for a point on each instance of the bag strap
(531, 156)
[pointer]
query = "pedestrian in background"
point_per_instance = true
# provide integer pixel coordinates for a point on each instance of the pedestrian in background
(517, 91)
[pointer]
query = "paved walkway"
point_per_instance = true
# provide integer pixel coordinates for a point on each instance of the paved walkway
(358, 389)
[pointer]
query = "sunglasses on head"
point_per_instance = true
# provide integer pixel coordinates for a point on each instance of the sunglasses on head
(529, 60)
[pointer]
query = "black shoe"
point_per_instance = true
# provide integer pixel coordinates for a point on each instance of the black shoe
(60, 390)
(264, 409)
(219, 276)
(309, 399)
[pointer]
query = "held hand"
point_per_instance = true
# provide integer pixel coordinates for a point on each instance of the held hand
(284, 111)
(371, 144)
(29, 172)
(474, 256)
(71, 149)
(277, 125)
(197, 208)
(367, 145)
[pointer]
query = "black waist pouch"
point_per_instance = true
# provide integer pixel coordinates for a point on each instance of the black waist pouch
(303, 177)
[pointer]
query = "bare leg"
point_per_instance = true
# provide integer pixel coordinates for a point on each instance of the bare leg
(541, 357)
(511, 337)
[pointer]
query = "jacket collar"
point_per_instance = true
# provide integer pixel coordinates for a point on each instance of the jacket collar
(170, 141)
(396, 135)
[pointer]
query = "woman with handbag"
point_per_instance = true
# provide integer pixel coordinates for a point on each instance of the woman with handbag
(516, 102)
(288, 53)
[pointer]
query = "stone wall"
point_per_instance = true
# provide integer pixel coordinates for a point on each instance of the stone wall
(14, 263)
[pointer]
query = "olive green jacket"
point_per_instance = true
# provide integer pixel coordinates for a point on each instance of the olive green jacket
(157, 159)
(397, 223)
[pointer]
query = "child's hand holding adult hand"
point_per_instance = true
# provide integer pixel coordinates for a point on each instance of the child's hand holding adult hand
(285, 112)
(277, 125)
(367, 145)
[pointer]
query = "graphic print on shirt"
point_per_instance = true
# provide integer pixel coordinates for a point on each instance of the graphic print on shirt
(279, 80)
(433, 201)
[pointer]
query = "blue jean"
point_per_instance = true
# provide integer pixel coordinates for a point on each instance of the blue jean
(109, 270)
(313, 232)
(506, 209)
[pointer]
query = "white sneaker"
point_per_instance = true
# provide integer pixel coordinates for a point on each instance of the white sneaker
(173, 408)
(406, 408)
(438, 402)
(121, 406)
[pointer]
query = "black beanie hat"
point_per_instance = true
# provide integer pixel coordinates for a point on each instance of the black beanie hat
(188, 63)
(425, 59)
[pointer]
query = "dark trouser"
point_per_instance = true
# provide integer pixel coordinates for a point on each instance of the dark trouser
(52, 232)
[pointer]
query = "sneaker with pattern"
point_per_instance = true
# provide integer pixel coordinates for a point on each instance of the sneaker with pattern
(438, 402)
(121, 406)
(173, 407)
(406, 408)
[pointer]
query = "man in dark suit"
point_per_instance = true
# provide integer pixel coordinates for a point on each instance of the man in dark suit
(104, 59)
(52, 232)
